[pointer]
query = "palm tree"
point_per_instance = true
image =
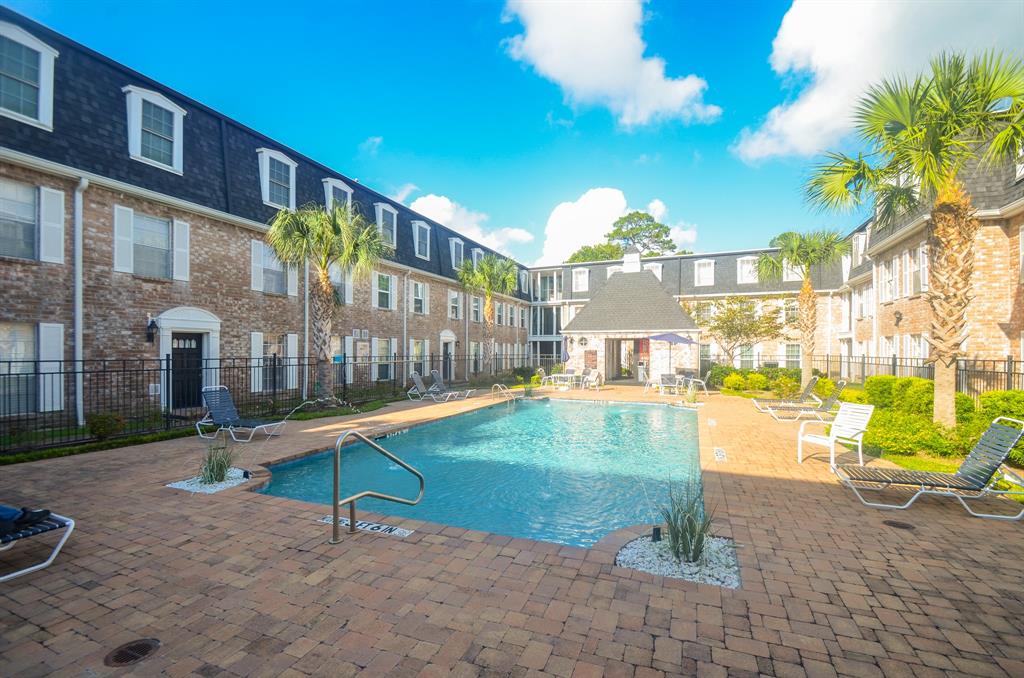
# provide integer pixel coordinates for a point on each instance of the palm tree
(492, 275)
(920, 136)
(339, 239)
(803, 252)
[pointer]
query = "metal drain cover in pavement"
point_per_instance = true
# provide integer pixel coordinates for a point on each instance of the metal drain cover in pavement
(132, 653)
(898, 525)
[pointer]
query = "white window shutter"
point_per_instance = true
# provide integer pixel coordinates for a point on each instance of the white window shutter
(426, 298)
(293, 281)
(256, 267)
(348, 287)
(426, 355)
(374, 348)
(51, 361)
(394, 345)
(374, 297)
(292, 353)
(348, 359)
(124, 252)
(394, 292)
(181, 250)
(51, 225)
(256, 365)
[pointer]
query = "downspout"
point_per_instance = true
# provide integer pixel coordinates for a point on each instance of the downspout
(76, 304)
(305, 330)
(405, 325)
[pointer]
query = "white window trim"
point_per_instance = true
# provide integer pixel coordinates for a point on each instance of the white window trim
(696, 273)
(380, 208)
(330, 184)
(791, 273)
(456, 297)
(452, 242)
(47, 55)
(656, 269)
(416, 226)
(586, 280)
(739, 269)
(265, 154)
(477, 254)
(135, 97)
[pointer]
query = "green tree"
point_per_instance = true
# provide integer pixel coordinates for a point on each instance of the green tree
(803, 252)
(920, 136)
(600, 252)
(640, 230)
(735, 322)
(339, 238)
(492, 275)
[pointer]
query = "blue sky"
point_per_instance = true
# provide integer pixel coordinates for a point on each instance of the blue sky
(498, 114)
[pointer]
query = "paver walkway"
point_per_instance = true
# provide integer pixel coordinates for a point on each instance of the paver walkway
(240, 583)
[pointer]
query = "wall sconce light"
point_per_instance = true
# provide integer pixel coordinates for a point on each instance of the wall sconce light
(572, 340)
(457, 343)
(583, 342)
(151, 328)
(899, 316)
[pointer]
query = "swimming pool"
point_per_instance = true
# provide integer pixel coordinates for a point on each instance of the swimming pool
(561, 471)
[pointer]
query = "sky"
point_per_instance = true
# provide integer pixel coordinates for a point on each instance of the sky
(532, 126)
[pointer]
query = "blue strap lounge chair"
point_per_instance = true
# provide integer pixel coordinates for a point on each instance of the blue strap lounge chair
(822, 411)
(440, 387)
(419, 391)
(806, 398)
(221, 412)
(976, 478)
(19, 530)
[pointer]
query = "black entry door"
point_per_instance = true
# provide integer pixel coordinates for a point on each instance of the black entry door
(186, 370)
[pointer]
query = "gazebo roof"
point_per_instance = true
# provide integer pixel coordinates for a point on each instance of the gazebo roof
(631, 302)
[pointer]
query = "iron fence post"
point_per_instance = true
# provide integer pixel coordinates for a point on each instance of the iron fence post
(273, 378)
(344, 377)
(1009, 372)
(169, 394)
(893, 366)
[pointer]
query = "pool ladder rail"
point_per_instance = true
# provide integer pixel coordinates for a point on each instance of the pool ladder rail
(351, 501)
(502, 391)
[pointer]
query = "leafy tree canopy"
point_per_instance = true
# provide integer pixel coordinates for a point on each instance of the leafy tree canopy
(735, 322)
(600, 252)
(640, 230)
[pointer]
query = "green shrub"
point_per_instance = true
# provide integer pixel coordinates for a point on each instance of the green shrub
(535, 380)
(964, 408)
(854, 396)
(688, 525)
(824, 387)
(735, 382)
(522, 373)
(756, 382)
(773, 373)
(103, 425)
(1003, 404)
(879, 390)
(901, 433)
(217, 461)
(915, 395)
(718, 373)
(786, 388)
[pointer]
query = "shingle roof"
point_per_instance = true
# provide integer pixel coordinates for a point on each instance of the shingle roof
(631, 302)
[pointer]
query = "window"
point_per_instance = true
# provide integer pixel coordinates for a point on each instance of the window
(546, 291)
(475, 312)
(337, 192)
(18, 382)
(704, 273)
(703, 313)
(745, 272)
(915, 346)
(387, 222)
(274, 362)
(474, 352)
(421, 239)
(151, 242)
(858, 246)
(791, 273)
(655, 269)
(522, 317)
(155, 126)
(342, 281)
(383, 290)
(886, 346)
(454, 305)
(457, 248)
(384, 353)
(887, 282)
(612, 270)
(793, 355)
(790, 311)
(18, 212)
(419, 297)
(26, 77)
(580, 279)
(277, 178)
(419, 356)
(478, 254)
(275, 276)
(746, 357)
(524, 281)
(921, 282)
(499, 311)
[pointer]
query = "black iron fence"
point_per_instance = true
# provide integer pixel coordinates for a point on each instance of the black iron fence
(51, 403)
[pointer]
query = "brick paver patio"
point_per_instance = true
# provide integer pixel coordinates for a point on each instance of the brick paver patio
(240, 583)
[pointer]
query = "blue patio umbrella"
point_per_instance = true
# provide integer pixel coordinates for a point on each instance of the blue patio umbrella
(671, 338)
(565, 352)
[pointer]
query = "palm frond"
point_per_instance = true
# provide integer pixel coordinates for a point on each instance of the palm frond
(840, 183)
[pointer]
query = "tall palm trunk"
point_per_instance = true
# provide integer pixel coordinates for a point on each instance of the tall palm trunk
(488, 344)
(321, 309)
(808, 321)
(951, 258)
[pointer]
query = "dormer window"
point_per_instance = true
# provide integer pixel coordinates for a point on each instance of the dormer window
(704, 273)
(337, 192)
(524, 281)
(655, 269)
(155, 127)
(457, 251)
(277, 178)
(387, 223)
(791, 273)
(26, 77)
(478, 254)
(746, 272)
(421, 239)
(580, 279)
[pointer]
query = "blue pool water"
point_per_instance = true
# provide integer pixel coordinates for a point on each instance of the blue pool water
(558, 471)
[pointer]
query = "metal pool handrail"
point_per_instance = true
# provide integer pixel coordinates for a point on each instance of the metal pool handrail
(351, 501)
(505, 392)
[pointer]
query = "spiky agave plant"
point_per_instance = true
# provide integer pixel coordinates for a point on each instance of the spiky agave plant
(337, 239)
(920, 135)
(687, 524)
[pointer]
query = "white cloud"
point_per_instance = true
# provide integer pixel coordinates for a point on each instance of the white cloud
(446, 211)
(595, 53)
(403, 192)
(683, 234)
(657, 209)
(843, 47)
(371, 145)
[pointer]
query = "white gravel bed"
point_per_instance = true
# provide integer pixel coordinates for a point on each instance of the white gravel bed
(235, 476)
(719, 566)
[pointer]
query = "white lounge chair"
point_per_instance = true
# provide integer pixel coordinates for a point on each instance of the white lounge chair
(222, 413)
(975, 479)
(806, 397)
(699, 381)
(848, 427)
(592, 379)
(419, 391)
(821, 411)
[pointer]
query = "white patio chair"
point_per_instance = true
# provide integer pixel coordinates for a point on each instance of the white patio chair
(848, 427)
